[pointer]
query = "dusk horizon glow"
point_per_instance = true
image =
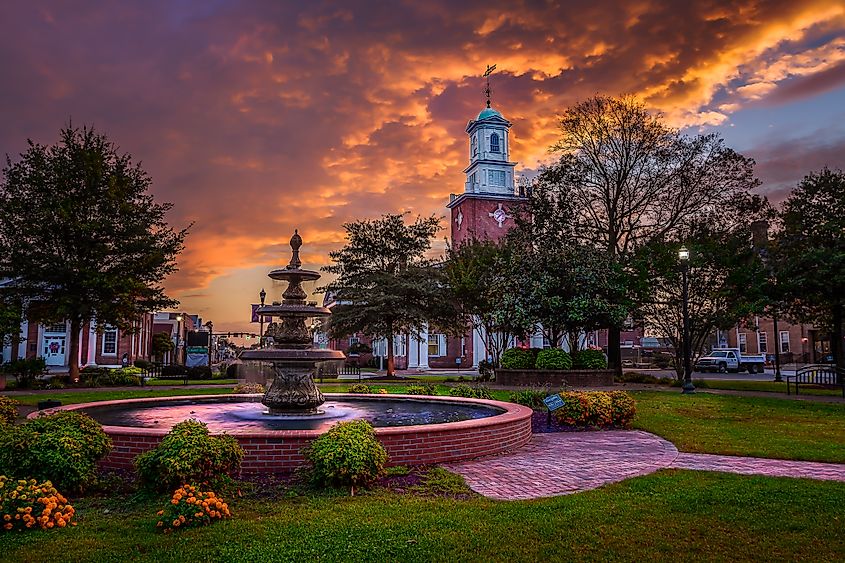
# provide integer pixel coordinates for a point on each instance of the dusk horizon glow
(256, 118)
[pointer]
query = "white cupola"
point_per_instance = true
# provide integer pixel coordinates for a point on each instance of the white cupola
(489, 170)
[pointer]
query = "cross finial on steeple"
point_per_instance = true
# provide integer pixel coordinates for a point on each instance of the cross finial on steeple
(487, 90)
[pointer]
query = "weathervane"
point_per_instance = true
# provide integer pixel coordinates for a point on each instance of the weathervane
(487, 73)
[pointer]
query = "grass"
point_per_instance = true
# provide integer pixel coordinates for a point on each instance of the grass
(156, 382)
(87, 396)
(768, 386)
(750, 426)
(671, 515)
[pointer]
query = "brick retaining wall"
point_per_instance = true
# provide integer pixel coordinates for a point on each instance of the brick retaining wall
(279, 451)
(555, 377)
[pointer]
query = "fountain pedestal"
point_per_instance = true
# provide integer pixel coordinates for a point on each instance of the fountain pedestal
(293, 390)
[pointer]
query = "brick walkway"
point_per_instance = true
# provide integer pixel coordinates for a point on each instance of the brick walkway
(568, 462)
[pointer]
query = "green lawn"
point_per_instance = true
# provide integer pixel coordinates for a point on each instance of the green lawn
(672, 515)
(751, 426)
(155, 382)
(87, 396)
(768, 386)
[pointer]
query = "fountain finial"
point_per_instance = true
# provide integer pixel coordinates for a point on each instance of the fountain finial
(295, 244)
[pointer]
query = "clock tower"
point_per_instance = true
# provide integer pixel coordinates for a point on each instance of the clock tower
(484, 210)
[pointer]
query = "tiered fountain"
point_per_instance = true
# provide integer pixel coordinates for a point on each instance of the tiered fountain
(293, 391)
(415, 430)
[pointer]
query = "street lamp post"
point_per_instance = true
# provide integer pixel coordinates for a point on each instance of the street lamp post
(262, 295)
(210, 326)
(688, 387)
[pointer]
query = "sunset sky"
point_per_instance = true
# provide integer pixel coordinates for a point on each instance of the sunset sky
(255, 118)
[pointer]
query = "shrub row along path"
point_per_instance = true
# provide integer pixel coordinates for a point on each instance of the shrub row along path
(568, 462)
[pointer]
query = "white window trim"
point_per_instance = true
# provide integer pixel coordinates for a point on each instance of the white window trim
(762, 338)
(742, 343)
(103, 342)
(441, 345)
(781, 342)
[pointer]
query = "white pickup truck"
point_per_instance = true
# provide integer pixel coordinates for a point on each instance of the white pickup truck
(730, 359)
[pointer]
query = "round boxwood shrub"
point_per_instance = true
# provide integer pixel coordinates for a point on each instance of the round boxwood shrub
(347, 455)
(8, 410)
(589, 359)
(464, 390)
(427, 389)
(63, 448)
(517, 358)
(189, 454)
(554, 358)
(362, 388)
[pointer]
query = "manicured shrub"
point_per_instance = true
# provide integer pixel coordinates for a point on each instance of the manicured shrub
(248, 388)
(8, 410)
(25, 371)
(347, 455)
(486, 371)
(623, 409)
(199, 372)
(597, 409)
(428, 389)
(26, 504)
(189, 454)
(191, 507)
(173, 370)
(517, 358)
(143, 364)
(589, 359)
(62, 448)
(382, 391)
(530, 398)
(553, 358)
(360, 388)
(470, 392)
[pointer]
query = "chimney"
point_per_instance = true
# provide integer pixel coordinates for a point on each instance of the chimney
(760, 234)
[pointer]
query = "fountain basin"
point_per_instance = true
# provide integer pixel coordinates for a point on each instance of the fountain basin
(496, 427)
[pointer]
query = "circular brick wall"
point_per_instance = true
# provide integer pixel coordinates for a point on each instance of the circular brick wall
(280, 451)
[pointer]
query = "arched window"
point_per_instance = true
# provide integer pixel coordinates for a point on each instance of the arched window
(494, 143)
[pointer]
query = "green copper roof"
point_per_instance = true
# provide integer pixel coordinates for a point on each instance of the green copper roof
(488, 112)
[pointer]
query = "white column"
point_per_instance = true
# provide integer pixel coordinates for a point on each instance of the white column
(79, 357)
(413, 351)
(424, 348)
(92, 345)
(479, 351)
(23, 343)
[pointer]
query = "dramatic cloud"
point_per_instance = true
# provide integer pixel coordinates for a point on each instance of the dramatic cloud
(258, 117)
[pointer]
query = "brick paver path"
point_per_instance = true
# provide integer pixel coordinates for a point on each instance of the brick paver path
(761, 466)
(568, 462)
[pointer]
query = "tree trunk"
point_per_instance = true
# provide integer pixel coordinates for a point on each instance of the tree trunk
(16, 344)
(614, 351)
(73, 352)
(390, 362)
(574, 338)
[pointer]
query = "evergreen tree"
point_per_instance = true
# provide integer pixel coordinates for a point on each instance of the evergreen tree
(82, 237)
(386, 285)
(809, 253)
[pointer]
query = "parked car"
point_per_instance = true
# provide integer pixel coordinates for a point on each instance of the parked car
(731, 360)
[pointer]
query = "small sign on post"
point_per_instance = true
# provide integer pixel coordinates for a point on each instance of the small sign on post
(552, 402)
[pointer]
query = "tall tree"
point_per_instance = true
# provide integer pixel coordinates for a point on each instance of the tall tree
(386, 284)
(809, 252)
(728, 280)
(487, 291)
(567, 285)
(635, 180)
(82, 237)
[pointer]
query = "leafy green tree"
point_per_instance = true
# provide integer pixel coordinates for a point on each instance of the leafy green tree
(809, 253)
(386, 284)
(161, 344)
(82, 236)
(485, 287)
(727, 276)
(634, 180)
(10, 322)
(566, 285)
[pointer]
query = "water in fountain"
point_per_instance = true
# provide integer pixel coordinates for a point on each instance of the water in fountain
(292, 355)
